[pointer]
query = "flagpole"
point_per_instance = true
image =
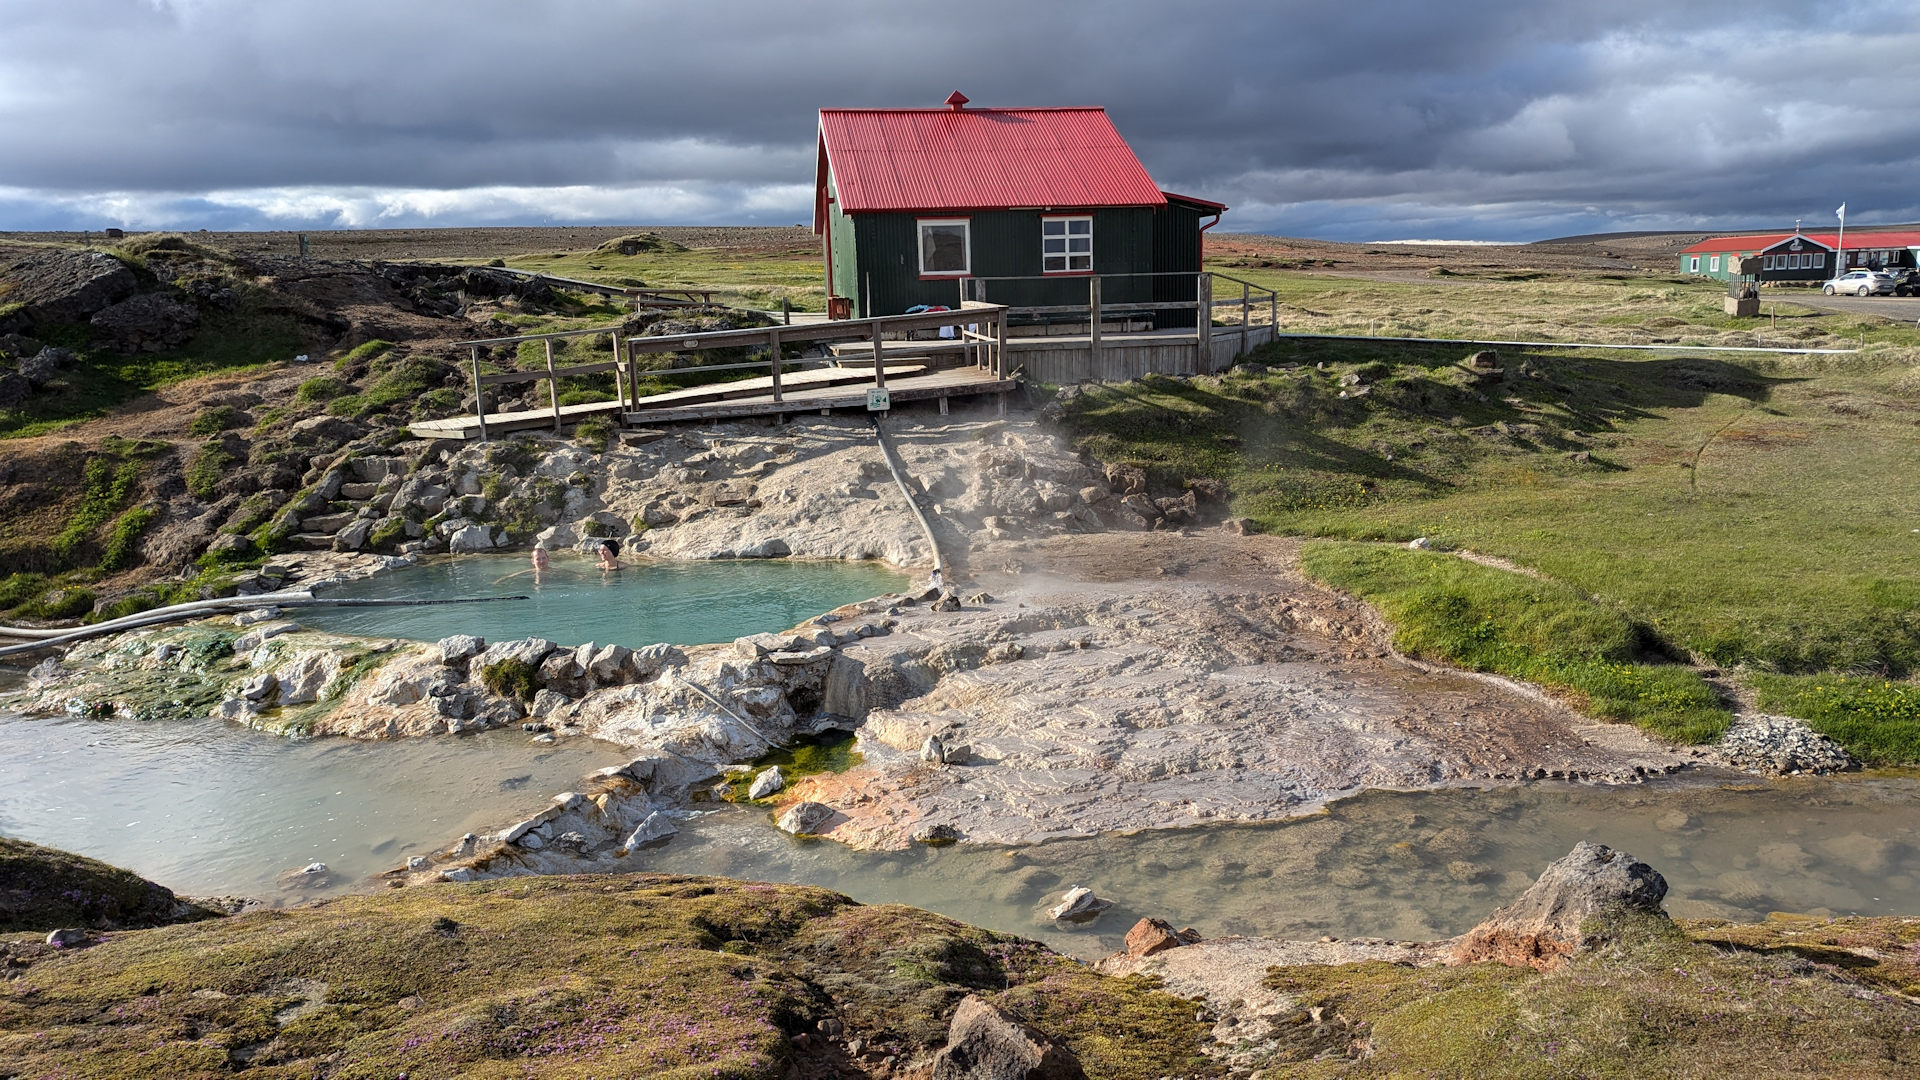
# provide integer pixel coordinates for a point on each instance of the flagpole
(1841, 255)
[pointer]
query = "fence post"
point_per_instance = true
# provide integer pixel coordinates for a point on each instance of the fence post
(553, 386)
(619, 376)
(1093, 340)
(1243, 318)
(773, 351)
(1203, 325)
(479, 400)
(879, 357)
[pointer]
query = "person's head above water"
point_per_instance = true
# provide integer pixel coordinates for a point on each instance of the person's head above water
(540, 556)
(611, 547)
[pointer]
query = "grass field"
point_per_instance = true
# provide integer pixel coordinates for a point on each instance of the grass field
(756, 279)
(1756, 512)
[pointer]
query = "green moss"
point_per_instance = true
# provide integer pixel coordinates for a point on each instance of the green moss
(511, 678)
(364, 351)
(210, 465)
(20, 587)
(65, 602)
(1448, 609)
(106, 485)
(322, 388)
(811, 755)
(123, 539)
(216, 420)
(391, 530)
(594, 434)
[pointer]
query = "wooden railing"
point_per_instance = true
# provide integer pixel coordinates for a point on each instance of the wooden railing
(980, 330)
(1095, 310)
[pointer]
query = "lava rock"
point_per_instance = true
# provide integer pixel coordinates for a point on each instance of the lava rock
(806, 818)
(147, 323)
(1777, 745)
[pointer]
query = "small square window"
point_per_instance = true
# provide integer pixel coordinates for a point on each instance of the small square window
(945, 248)
(1819, 258)
(1693, 264)
(1713, 263)
(1066, 245)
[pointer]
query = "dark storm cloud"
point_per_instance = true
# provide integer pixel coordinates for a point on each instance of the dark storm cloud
(1361, 120)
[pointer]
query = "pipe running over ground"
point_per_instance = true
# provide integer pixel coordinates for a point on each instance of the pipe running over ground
(899, 471)
(55, 638)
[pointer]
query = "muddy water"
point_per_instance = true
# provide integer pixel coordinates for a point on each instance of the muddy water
(207, 808)
(1411, 866)
(689, 603)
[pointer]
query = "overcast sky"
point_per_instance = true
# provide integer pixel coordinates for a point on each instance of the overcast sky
(1343, 119)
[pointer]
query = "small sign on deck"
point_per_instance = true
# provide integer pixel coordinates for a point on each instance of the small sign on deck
(877, 400)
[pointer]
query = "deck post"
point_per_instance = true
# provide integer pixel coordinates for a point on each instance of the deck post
(1273, 298)
(1093, 340)
(479, 402)
(879, 357)
(619, 374)
(1203, 326)
(1000, 346)
(773, 350)
(553, 386)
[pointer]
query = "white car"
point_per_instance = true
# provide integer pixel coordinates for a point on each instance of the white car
(1861, 283)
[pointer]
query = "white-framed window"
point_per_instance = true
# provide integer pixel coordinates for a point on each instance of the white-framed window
(1066, 245)
(1713, 263)
(1819, 259)
(946, 247)
(1693, 264)
(1769, 263)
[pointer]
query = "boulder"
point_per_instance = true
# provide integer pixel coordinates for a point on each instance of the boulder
(455, 651)
(44, 366)
(529, 651)
(933, 751)
(546, 701)
(938, 835)
(985, 1043)
(354, 536)
(1150, 936)
(806, 818)
(471, 538)
(655, 828)
(608, 666)
(649, 661)
(1543, 926)
(559, 672)
(1778, 745)
(147, 323)
(767, 783)
(1126, 479)
(303, 678)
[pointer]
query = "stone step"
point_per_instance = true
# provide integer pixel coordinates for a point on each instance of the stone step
(312, 541)
(353, 492)
(327, 523)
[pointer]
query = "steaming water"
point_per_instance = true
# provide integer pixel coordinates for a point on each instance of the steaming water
(688, 603)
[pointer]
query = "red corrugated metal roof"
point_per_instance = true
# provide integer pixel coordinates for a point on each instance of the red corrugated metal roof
(980, 159)
(1856, 240)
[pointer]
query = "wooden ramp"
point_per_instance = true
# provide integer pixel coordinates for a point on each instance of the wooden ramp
(934, 385)
(467, 427)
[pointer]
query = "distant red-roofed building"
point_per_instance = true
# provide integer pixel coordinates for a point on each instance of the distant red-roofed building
(1797, 256)
(1017, 206)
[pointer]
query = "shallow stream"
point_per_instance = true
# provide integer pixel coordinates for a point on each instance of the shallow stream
(687, 603)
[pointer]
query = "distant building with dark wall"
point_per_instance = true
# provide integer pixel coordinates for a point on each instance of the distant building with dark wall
(1016, 206)
(1801, 257)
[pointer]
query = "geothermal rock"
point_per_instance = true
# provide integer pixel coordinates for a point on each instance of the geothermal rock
(455, 651)
(1078, 905)
(1542, 928)
(655, 828)
(1150, 936)
(984, 1043)
(767, 783)
(806, 818)
(1777, 745)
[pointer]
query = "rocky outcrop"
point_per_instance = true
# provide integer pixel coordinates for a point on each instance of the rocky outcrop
(1550, 921)
(68, 287)
(147, 323)
(987, 1043)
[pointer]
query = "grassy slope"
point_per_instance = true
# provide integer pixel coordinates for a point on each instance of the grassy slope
(562, 976)
(1769, 1000)
(1748, 511)
(44, 889)
(743, 278)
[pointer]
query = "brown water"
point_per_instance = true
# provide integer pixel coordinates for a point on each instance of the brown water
(1411, 866)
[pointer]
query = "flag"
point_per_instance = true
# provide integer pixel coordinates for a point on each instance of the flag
(1842, 211)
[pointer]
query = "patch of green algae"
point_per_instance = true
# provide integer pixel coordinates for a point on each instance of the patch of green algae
(561, 977)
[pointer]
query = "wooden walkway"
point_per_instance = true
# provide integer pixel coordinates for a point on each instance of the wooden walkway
(934, 385)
